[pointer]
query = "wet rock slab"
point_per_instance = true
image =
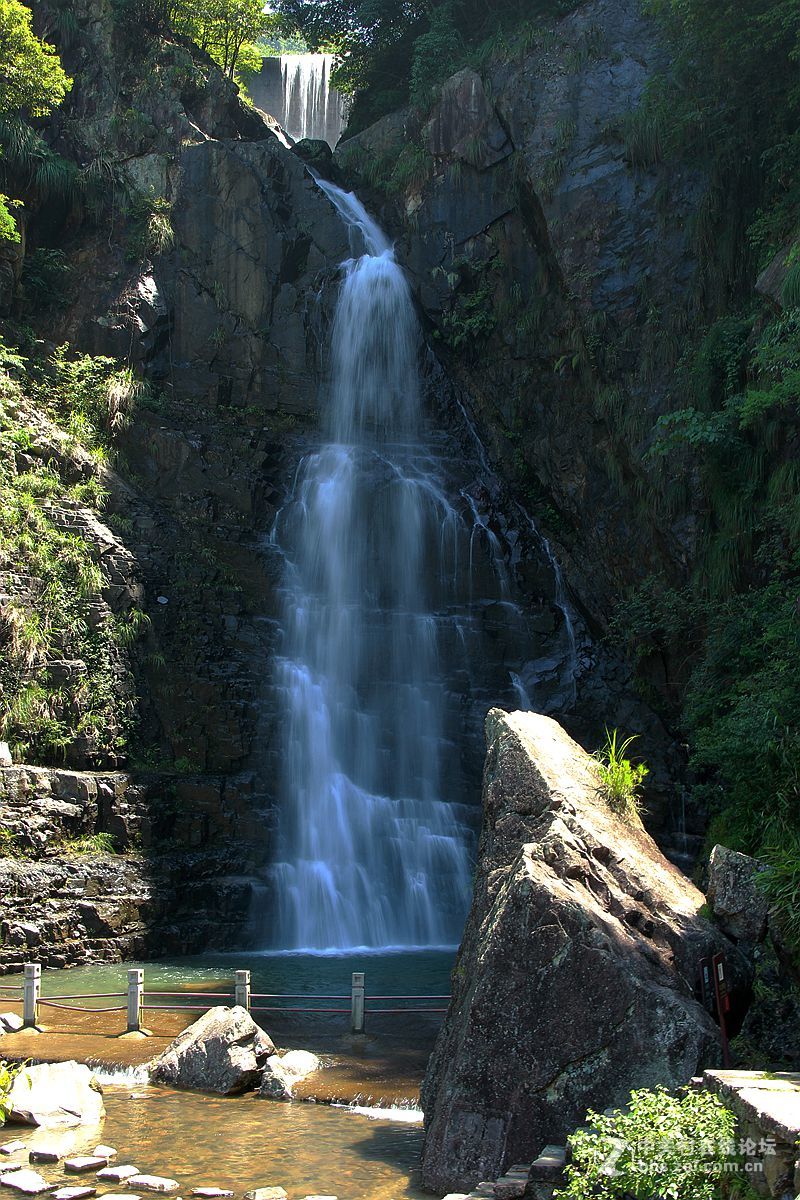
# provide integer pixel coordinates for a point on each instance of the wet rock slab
(153, 1183)
(83, 1163)
(119, 1174)
(30, 1183)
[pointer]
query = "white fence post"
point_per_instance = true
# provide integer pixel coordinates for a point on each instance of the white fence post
(242, 989)
(357, 1002)
(135, 999)
(31, 992)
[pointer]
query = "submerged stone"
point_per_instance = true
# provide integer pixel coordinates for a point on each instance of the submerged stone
(153, 1183)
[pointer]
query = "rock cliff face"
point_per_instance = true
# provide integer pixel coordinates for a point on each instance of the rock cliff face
(556, 265)
(575, 979)
(179, 883)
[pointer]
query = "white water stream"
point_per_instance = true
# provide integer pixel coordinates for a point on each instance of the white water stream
(370, 853)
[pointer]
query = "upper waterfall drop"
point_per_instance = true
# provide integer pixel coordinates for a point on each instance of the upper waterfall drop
(370, 853)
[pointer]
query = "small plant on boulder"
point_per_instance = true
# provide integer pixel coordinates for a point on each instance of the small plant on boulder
(620, 779)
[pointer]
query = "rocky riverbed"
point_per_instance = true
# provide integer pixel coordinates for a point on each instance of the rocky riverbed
(236, 1145)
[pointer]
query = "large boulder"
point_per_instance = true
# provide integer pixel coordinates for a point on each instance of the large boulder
(56, 1095)
(739, 905)
(224, 1051)
(575, 979)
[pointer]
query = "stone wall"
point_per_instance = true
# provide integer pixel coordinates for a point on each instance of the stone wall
(180, 881)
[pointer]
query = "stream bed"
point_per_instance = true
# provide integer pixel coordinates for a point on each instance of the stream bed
(241, 1143)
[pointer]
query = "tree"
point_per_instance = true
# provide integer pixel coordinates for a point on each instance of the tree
(222, 28)
(32, 80)
(32, 83)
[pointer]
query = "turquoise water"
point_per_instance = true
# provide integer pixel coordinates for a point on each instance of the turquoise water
(414, 973)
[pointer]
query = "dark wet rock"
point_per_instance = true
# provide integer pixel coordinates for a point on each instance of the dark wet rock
(575, 980)
(224, 1051)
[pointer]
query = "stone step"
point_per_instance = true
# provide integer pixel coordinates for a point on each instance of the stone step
(549, 1166)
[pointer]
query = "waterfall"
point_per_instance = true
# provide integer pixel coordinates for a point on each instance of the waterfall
(311, 107)
(370, 852)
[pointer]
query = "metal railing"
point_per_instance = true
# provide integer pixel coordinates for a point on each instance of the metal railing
(136, 1001)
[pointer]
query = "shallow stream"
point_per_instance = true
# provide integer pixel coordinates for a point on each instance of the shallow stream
(242, 1143)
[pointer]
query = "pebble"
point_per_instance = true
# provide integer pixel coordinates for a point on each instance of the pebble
(74, 1193)
(117, 1174)
(84, 1162)
(105, 1151)
(44, 1155)
(153, 1183)
(266, 1193)
(12, 1147)
(210, 1193)
(29, 1182)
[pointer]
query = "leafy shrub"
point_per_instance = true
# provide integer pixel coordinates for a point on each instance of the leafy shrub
(8, 1073)
(620, 779)
(661, 1145)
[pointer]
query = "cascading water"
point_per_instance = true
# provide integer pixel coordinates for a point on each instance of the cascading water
(400, 629)
(311, 107)
(371, 853)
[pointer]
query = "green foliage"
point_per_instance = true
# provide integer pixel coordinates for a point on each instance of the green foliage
(92, 843)
(33, 83)
(620, 779)
(780, 880)
(8, 226)
(660, 1145)
(729, 101)
(223, 28)
(8, 1073)
(45, 279)
(151, 226)
(55, 615)
(9, 846)
(33, 80)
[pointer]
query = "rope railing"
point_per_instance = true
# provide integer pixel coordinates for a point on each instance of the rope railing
(138, 1000)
